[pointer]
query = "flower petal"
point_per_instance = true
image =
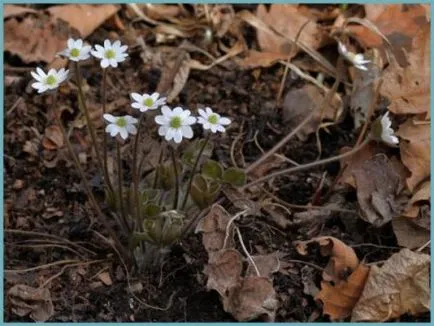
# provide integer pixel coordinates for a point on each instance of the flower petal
(104, 63)
(177, 111)
(70, 43)
(189, 121)
(124, 133)
(161, 120)
(208, 111)
(167, 112)
(177, 136)
(109, 117)
(187, 132)
(107, 45)
(163, 130)
(36, 76)
(224, 121)
(202, 113)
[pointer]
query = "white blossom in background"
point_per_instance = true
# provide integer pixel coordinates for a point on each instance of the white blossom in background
(175, 124)
(76, 50)
(122, 125)
(357, 60)
(212, 121)
(387, 133)
(147, 102)
(110, 54)
(50, 80)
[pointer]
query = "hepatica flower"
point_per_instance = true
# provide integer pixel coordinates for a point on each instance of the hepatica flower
(382, 131)
(122, 125)
(357, 60)
(76, 51)
(175, 124)
(212, 121)
(49, 81)
(147, 102)
(110, 54)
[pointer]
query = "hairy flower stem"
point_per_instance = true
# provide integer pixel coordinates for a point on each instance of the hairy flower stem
(103, 98)
(135, 170)
(193, 171)
(83, 108)
(175, 170)
(308, 165)
(120, 192)
(160, 160)
(87, 187)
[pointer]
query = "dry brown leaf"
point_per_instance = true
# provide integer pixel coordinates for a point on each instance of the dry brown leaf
(254, 298)
(423, 194)
(299, 103)
(267, 265)
(398, 22)
(53, 138)
(355, 161)
(401, 285)
(415, 150)
(408, 89)
(83, 17)
(222, 16)
(25, 300)
(255, 59)
(379, 190)
(159, 11)
(409, 234)
(288, 20)
(213, 228)
(340, 299)
(14, 10)
(224, 270)
(35, 39)
(105, 278)
(343, 260)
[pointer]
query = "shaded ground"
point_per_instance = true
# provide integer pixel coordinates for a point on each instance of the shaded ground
(44, 196)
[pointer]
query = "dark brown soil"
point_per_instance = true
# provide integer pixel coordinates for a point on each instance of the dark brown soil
(46, 197)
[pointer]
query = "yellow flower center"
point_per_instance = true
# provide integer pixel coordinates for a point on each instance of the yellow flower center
(213, 119)
(121, 122)
(51, 80)
(175, 122)
(75, 52)
(110, 54)
(148, 102)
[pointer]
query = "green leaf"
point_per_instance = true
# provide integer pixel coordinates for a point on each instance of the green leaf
(151, 210)
(235, 177)
(212, 169)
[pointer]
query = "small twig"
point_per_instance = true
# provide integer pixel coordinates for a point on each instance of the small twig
(305, 263)
(175, 170)
(424, 246)
(31, 269)
(246, 252)
(230, 223)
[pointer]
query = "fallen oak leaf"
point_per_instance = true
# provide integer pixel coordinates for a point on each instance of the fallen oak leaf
(401, 285)
(415, 150)
(253, 298)
(343, 259)
(339, 299)
(14, 10)
(422, 194)
(53, 138)
(35, 302)
(409, 234)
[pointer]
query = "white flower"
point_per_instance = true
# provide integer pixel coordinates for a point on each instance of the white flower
(110, 54)
(147, 102)
(76, 51)
(356, 59)
(48, 81)
(387, 133)
(210, 120)
(175, 124)
(123, 125)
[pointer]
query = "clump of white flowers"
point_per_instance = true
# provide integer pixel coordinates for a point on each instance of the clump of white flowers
(212, 121)
(175, 124)
(147, 102)
(76, 50)
(50, 80)
(357, 60)
(110, 54)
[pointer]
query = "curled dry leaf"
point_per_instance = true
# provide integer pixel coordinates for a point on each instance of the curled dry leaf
(343, 260)
(408, 89)
(224, 270)
(401, 285)
(409, 234)
(253, 298)
(35, 302)
(415, 150)
(421, 196)
(339, 299)
(298, 103)
(288, 20)
(14, 10)
(53, 138)
(398, 22)
(267, 265)
(379, 190)
(213, 228)
(255, 59)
